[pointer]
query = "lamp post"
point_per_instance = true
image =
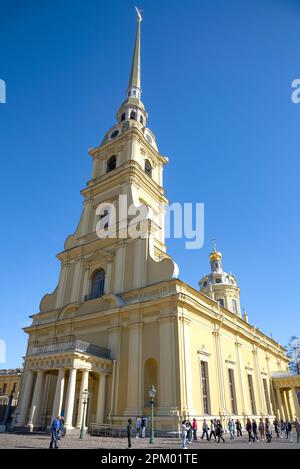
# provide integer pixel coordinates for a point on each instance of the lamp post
(152, 393)
(85, 395)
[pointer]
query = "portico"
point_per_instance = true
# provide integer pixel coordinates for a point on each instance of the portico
(287, 390)
(54, 380)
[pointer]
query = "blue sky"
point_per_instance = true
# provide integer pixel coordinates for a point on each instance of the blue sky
(216, 82)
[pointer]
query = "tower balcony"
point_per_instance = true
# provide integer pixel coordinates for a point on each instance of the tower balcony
(71, 346)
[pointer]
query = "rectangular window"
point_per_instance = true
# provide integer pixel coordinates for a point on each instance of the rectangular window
(232, 391)
(267, 397)
(234, 307)
(251, 394)
(205, 387)
(221, 302)
(4, 388)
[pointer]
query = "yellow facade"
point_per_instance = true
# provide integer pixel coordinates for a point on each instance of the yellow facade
(146, 327)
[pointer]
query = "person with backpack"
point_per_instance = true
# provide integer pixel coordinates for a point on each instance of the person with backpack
(55, 431)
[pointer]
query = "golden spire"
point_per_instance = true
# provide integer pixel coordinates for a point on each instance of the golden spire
(135, 74)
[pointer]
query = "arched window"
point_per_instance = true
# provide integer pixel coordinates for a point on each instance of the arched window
(123, 117)
(141, 120)
(111, 164)
(148, 168)
(98, 284)
(133, 115)
(106, 216)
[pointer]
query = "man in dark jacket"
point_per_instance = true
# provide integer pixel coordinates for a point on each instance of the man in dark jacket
(55, 431)
(129, 429)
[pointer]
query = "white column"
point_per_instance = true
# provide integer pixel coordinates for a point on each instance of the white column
(101, 399)
(84, 385)
(59, 393)
(36, 400)
(134, 375)
(26, 397)
(70, 399)
(61, 286)
(77, 280)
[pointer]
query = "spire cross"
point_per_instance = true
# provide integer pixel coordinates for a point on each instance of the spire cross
(214, 244)
(139, 14)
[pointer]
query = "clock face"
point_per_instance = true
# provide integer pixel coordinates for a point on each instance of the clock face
(114, 134)
(148, 138)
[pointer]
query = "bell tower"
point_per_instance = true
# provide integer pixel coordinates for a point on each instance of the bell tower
(127, 175)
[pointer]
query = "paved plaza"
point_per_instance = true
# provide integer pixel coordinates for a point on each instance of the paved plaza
(31, 441)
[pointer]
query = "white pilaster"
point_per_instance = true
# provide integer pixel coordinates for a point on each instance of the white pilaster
(186, 371)
(167, 378)
(120, 268)
(101, 399)
(134, 397)
(108, 274)
(77, 280)
(241, 375)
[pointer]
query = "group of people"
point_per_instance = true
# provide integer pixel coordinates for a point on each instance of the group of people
(261, 430)
(190, 429)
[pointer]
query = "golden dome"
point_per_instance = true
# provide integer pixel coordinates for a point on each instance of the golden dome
(215, 256)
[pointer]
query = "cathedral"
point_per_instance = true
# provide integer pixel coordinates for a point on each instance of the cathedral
(120, 319)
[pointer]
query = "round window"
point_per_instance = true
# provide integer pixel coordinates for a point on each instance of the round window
(114, 134)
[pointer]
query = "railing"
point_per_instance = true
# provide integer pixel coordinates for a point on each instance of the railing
(116, 431)
(73, 345)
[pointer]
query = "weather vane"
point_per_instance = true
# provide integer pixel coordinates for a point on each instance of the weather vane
(214, 244)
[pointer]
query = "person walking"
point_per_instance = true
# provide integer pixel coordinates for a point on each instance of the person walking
(238, 428)
(138, 427)
(219, 432)
(129, 430)
(254, 430)
(288, 429)
(231, 428)
(268, 430)
(297, 428)
(55, 431)
(184, 430)
(276, 427)
(249, 430)
(195, 429)
(143, 425)
(261, 428)
(205, 430)
(282, 428)
(212, 429)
